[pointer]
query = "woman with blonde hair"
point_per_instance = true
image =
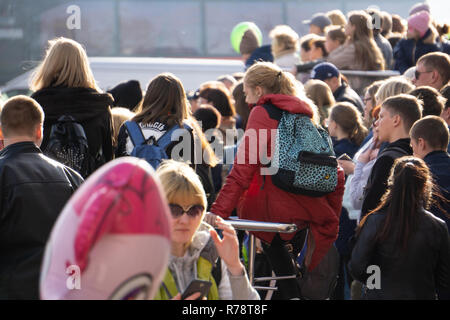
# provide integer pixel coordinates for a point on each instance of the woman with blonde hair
(337, 18)
(392, 87)
(320, 93)
(63, 84)
(271, 91)
(285, 46)
(360, 52)
(197, 252)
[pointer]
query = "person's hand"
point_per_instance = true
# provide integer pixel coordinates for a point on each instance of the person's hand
(228, 247)
(347, 165)
(191, 297)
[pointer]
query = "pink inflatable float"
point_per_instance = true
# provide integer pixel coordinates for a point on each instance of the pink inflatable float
(112, 239)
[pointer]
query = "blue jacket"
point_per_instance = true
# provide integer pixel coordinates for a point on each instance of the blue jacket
(408, 51)
(263, 53)
(439, 164)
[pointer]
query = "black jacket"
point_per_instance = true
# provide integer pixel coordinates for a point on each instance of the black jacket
(89, 107)
(34, 190)
(377, 183)
(414, 273)
(346, 94)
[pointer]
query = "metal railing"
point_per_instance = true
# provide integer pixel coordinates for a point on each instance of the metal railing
(250, 225)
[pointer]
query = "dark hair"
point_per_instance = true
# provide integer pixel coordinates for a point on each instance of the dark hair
(349, 120)
(433, 102)
(320, 43)
(20, 115)
(165, 101)
(305, 41)
(336, 33)
(242, 108)
(433, 130)
(209, 116)
(410, 186)
(407, 106)
(445, 91)
(220, 100)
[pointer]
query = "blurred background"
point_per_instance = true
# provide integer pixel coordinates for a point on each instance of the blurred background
(151, 28)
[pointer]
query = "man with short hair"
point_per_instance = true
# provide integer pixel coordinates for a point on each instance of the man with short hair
(397, 115)
(33, 190)
(432, 100)
(318, 23)
(328, 73)
(432, 69)
(429, 141)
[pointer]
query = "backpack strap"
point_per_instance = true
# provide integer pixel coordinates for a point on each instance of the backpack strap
(135, 133)
(166, 138)
(274, 112)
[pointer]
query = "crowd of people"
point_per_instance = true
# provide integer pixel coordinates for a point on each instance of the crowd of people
(213, 148)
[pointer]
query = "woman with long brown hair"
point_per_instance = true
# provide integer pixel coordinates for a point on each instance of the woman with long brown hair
(164, 106)
(404, 243)
(359, 52)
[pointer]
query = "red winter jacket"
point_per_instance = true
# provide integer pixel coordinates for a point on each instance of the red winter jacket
(256, 198)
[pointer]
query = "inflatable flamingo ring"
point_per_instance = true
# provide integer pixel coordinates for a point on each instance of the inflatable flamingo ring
(112, 239)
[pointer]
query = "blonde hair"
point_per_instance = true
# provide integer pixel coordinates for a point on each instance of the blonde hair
(322, 96)
(119, 116)
(337, 18)
(65, 64)
(270, 77)
(392, 87)
(284, 40)
(179, 180)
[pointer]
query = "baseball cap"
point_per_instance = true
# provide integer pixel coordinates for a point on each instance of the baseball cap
(324, 70)
(319, 19)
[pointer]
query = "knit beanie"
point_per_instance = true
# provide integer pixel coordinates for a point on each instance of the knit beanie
(420, 22)
(127, 94)
(249, 42)
(418, 7)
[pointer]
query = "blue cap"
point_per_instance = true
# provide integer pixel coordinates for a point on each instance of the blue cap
(319, 19)
(324, 70)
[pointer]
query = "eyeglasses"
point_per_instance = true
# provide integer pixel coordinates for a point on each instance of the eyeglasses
(418, 73)
(365, 100)
(177, 211)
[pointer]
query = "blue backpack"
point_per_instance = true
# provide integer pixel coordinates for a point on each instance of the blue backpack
(154, 151)
(303, 155)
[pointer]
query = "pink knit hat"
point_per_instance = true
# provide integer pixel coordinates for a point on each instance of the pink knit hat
(420, 22)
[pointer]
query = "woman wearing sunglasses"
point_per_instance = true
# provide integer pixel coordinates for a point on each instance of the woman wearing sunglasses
(197, 251)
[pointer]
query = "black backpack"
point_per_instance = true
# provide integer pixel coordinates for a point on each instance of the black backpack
(68, 144)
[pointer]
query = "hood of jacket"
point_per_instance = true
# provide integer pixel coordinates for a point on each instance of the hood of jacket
(81, 103)
(287, 103)
(184, 269)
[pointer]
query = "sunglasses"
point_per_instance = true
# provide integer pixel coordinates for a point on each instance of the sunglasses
(177, 211)
(418, 73)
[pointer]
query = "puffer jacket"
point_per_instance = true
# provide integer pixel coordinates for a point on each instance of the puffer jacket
(255, 196)
(33, 190)
(408, 51)
(414, 273)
